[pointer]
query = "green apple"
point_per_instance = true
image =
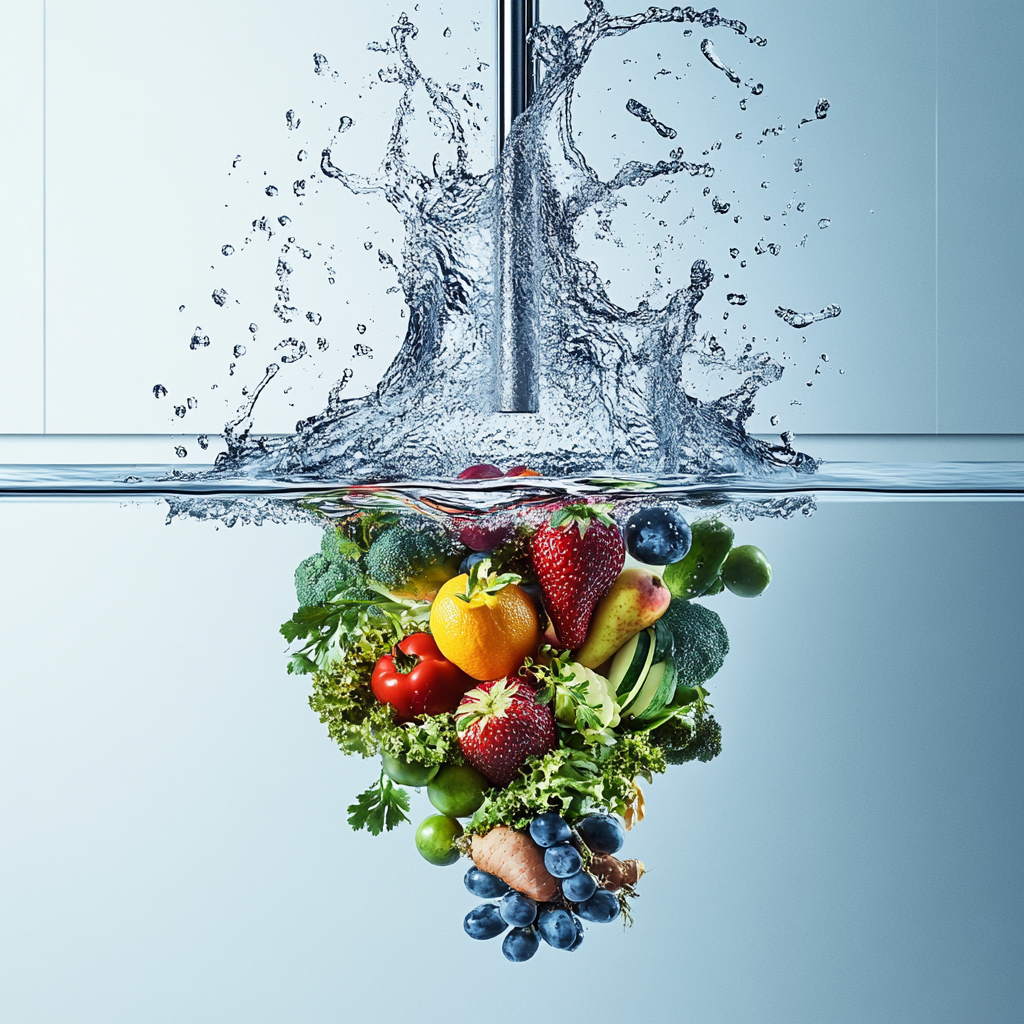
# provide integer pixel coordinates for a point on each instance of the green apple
(435, 839)
(746, 571)
(406, 773)
(457, 790)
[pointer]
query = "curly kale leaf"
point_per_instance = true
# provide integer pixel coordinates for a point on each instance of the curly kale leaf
(382, 806)
(355, 618)
(433, 740)
(572, 782)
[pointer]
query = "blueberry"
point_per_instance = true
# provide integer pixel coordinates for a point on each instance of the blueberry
(549, 829)
(472, 558)
(601, 908)
(556, 927)
(657, 535)
(484, 922)
(518, 910)
(579, 887)
(602, 833)
(562, 860)
(480, 883)
(520, 944)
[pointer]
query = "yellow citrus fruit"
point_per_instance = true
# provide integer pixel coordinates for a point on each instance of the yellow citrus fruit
(489, 635)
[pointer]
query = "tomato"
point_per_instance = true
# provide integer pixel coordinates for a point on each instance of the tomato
(416, 678)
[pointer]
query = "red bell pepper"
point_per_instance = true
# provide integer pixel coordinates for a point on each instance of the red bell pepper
(416, 679)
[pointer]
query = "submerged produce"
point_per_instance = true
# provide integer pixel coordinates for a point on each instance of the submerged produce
(517, 667)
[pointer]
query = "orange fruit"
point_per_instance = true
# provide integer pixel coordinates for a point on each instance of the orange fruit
(489, 634)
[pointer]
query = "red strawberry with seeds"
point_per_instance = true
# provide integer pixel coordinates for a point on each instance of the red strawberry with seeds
(576, 557)
(500, 725)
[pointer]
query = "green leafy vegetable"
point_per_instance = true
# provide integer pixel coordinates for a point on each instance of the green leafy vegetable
(381, 807)
(572, 782)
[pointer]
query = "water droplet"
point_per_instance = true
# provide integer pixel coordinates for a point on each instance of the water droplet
(363, 350)
(203, 441)
(824, 223)
(774, 249)
(743, 263)
(361, 328)
(367, 246)
(314, 318)
(284, 219)
(301, 155)
(220, 296)
(757, 89)
(238, 351)
(842, 371)
(299, 187)
(271, 190)
(447, 33)
(320, 65)
(199, 340)
(775, 421)
(798, 165)
(192, 402)
(180, 452)
(801, 207)
(787, 437)
(159, 391)
(291, 120)
(253, 328)
(181, 309)
(736, 299)
(743, 104)
(765, 184)
(293, 350)
(179, 411)
(322, 344)
(824, 357)
(821, 109)
(235, 162)
(225, 250)
(718, 206)
(345, 123)
(734, 253)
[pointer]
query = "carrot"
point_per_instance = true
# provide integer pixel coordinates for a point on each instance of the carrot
(612, 873)
(517, 860)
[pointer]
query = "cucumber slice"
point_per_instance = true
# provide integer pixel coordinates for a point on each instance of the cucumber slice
(630, 665)
(662, 695)
(664, 641)
(658, 689)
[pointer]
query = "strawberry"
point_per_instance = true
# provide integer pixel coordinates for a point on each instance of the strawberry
(576, 558)
(500, 725)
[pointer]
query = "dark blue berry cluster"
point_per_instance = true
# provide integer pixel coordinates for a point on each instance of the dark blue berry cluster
(559, 924)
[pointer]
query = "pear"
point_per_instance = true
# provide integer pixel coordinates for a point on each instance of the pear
(637, 599)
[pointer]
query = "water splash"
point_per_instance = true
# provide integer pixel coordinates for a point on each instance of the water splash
(637, 109)
(612, 379)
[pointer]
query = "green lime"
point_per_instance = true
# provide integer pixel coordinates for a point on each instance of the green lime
(699, 570)
(457, 790)
(435, 839)
(746, 571)
(406, 773)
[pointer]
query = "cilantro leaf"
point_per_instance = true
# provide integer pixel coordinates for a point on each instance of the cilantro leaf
(380, 807)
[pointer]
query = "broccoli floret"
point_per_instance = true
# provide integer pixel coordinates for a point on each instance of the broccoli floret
(682, 743)
(412, 562)
(701, 642)
(318, 578)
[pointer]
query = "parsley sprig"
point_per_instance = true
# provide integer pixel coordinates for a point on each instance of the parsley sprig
(380, 807)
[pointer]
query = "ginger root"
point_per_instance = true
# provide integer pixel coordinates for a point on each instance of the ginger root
(612, 874)
(517, 860)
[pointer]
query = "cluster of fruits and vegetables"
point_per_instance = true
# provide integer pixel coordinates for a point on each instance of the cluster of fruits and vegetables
(514, 666)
